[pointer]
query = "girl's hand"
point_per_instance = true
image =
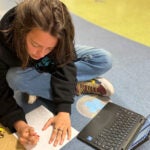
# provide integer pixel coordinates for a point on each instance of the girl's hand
(27, 135)
(61, 127)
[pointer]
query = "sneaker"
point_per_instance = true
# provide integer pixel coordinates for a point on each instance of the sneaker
(98, 86)
(32, 99)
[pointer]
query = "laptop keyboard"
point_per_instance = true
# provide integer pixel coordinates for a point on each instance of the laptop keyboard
(110, 138)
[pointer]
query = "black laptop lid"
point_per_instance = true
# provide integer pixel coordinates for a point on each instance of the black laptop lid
(113, 128)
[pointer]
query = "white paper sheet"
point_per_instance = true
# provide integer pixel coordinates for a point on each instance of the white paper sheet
(37, 118)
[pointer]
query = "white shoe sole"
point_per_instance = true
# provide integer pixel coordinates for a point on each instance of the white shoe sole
(107, 85)
(32, 99)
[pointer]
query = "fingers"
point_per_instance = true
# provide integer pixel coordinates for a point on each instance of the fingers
(69, 133)
(28, 136)
(59, 135)
(64, 132)
(22, 140)
(56, 136)
(62, 128)
(48, 123)
(32, 140)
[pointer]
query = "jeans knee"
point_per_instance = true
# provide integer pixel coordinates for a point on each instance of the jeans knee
(104, 62)
(13, 79)
(108, 61)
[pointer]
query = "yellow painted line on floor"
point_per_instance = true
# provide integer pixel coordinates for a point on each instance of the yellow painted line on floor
(128, 18)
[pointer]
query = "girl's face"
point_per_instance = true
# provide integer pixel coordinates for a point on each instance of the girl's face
(40, 43)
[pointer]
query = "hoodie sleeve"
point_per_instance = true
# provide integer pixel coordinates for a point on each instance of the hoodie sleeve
(63, 83)
(10, 111)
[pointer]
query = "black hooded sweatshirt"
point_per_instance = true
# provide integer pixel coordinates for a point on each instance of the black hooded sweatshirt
(63, 79)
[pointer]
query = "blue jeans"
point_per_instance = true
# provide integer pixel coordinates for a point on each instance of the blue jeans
(90, 64)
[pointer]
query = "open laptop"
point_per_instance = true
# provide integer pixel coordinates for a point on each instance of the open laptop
(113, 128)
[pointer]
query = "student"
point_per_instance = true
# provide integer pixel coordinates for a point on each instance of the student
(38, 57)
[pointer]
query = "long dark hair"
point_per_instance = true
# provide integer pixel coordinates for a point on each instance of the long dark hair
(51, 16)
